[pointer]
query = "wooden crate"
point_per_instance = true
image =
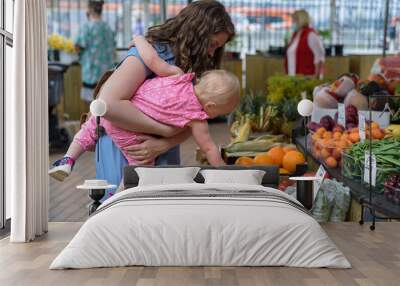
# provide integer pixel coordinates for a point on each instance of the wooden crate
(73, 105)
(259, 68)
(234, 66)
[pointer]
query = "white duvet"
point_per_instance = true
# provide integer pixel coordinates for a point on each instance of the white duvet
(188, 231)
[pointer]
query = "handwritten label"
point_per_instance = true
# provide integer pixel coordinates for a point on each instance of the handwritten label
(361, 126)
(367, 168)
(341, 114)
(320, 175)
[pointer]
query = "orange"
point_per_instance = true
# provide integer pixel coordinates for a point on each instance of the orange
(321, 131)
(276, 154)
(288, 148)
(314, 137)
(343, 144)
(375, 125)
(325, 153)
(377, 134)
(327, 135)
(337, 153)
(244, 161)
(337, 135)
(331, 162)
(326, 142)
(354, 137)
(264, 160)
(292, 159)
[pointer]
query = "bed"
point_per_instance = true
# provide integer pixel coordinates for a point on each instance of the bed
(201, 224)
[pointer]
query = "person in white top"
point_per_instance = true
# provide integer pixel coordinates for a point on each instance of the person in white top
(305, 53)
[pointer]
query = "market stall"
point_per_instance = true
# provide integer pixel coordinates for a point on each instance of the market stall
(354, 134)
(351, 119)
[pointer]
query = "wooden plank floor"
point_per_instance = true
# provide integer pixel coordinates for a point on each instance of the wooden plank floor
(374, 255)
(68, 204)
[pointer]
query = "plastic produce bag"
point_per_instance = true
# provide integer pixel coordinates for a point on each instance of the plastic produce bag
(332, 202)
(291, 191)
(342, 203)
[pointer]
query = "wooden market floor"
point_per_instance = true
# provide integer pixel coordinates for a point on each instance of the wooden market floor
(374, 255)
(68, 204)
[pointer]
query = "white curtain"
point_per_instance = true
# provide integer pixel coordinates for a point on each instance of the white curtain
(27, 124)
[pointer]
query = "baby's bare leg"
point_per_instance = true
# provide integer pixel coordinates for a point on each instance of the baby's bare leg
(74, 150)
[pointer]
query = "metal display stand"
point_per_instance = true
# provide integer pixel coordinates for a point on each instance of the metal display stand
(369, 204)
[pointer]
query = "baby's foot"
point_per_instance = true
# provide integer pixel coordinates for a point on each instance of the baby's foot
(62, 168)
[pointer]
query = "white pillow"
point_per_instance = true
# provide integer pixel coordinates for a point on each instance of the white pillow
(248, 177)
(166, 176)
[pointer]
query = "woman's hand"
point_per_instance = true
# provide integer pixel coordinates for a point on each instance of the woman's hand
(152, 147)
(147, 151)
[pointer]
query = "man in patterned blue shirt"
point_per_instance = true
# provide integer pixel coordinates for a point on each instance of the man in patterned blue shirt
(96, 46)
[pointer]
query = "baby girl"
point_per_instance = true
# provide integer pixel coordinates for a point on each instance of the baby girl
(179, 100)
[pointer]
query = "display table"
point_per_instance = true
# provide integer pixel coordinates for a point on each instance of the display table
(360, 192)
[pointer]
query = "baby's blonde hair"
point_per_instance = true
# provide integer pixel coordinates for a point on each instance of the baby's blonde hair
(302, 17)
(219, 86)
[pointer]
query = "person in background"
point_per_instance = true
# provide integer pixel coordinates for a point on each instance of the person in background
(138, 28)
(96, 46)
(392, 33)
(305, 53)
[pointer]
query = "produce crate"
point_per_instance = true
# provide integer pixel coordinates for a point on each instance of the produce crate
(327, 150)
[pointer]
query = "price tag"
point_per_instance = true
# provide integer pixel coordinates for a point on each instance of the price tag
(367, 168)
(361, 126)
(320, 179)
(341, 114)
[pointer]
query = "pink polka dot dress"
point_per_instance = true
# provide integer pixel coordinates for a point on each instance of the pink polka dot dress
(169, 100)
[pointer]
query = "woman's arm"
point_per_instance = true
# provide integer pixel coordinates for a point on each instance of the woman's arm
(203, 138)
(317, 47)
(151, 147)
(319, 70)
(152, 60)
(117, 92)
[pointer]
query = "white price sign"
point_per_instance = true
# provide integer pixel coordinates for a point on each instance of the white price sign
(367, 166)
(320, 179)
(361, 126)
(341, 114)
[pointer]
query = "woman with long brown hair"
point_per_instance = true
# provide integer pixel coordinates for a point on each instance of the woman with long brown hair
(194, 41)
